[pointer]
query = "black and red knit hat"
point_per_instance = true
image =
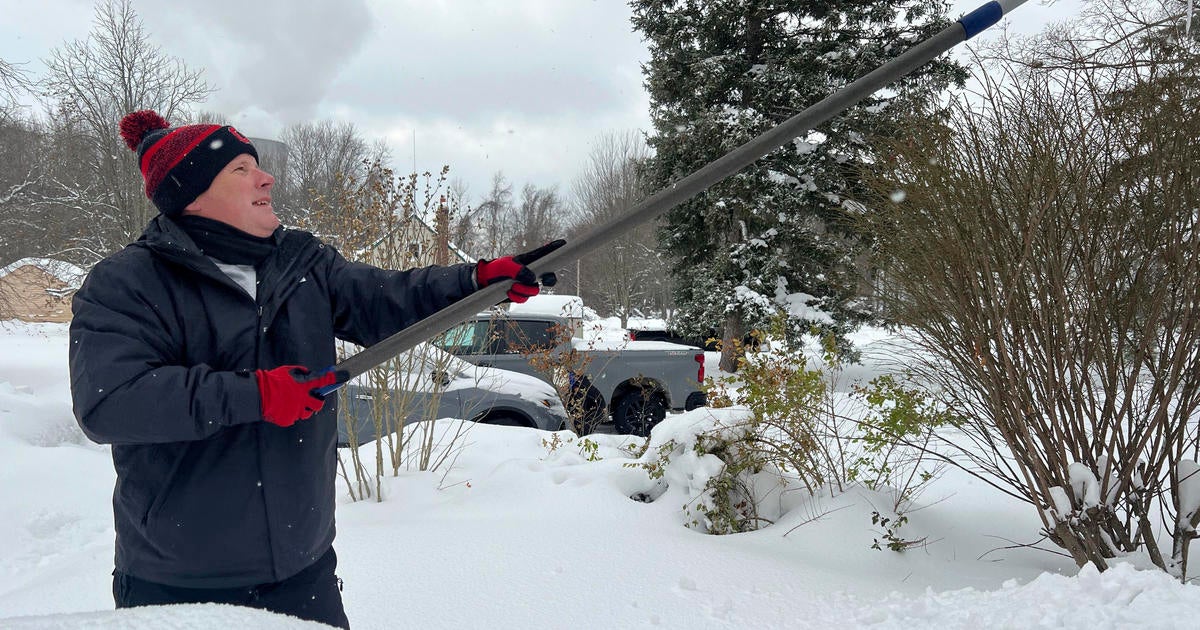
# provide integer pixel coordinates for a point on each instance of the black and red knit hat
(179, 164)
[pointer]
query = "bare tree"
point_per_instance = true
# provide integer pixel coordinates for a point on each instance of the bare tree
(539, 217)
(203, 117)
(95, 82)
(460, 211)
(323, 157)
(630, 277)
(22, 143)
(19, 140)
(14, 80)
(492, 220)
(1043, 248)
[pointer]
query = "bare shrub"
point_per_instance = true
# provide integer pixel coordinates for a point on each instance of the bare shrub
(561, 364)
(378, 218)
(1041, 245)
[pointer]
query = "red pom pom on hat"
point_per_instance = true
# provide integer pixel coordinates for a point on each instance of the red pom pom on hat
(136, 125)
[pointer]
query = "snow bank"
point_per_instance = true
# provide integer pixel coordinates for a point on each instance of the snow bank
(180, 617)
(1122, 597)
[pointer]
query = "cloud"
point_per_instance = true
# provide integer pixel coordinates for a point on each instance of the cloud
(544, 152)
(473, 60)
(274, 56)
(521, 86)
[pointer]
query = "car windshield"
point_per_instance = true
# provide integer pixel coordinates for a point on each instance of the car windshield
(500, 336)
(466, 338)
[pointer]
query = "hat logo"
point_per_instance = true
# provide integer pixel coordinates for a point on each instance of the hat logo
(238, 135)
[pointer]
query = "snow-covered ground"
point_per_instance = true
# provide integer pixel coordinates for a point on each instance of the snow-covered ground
(522, 535)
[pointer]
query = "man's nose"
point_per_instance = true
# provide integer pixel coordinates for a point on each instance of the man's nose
(267, 181)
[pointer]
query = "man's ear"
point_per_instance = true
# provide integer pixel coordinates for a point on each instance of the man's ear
(195, 207)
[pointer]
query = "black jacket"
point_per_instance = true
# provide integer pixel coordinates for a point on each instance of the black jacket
(162, 353)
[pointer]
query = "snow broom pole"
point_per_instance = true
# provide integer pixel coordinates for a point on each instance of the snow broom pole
(674, 194)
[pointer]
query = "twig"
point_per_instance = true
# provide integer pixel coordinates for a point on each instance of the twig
(1017, 545)
(814, 518)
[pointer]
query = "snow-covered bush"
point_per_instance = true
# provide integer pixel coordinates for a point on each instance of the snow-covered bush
(781, 429)
(706, 457)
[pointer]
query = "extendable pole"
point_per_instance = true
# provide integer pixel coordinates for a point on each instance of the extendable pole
(674, 194)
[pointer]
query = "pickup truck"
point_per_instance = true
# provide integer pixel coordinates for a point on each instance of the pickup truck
(636, 382)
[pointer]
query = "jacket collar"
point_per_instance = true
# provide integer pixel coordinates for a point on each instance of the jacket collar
(295, 253)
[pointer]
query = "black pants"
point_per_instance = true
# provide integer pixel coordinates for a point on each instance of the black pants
(313, 594)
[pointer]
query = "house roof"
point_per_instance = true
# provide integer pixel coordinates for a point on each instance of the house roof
(462, 255)
(421, 221)
(67, 273)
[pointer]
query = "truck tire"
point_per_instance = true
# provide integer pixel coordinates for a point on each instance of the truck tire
(585, 406)
(639, 411)
(593, 412)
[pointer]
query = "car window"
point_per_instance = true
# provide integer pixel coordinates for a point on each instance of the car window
(465, 338)
(503, 336)
(524, 336)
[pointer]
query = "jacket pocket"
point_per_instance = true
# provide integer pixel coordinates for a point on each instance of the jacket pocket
(155, 506)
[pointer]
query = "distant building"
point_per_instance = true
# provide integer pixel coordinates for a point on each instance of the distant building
(413, 243)
(39, 289)
(272, 156)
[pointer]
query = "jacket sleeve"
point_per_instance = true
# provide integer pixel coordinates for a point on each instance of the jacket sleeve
(127, 386)
(371, 304)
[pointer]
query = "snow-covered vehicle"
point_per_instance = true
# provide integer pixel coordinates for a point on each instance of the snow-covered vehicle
(426, 383)
(636, 382)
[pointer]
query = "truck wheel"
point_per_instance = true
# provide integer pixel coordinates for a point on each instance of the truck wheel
(639, 411)
(585, 405)
(592, 412)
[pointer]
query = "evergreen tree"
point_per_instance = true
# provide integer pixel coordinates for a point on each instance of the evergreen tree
(721, 72)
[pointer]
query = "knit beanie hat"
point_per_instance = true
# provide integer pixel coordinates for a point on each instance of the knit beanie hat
(179, 164)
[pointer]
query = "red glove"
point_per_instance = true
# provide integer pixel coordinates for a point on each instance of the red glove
(287, 394)
(525, 283)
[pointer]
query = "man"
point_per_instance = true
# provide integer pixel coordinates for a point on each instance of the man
(190, 354)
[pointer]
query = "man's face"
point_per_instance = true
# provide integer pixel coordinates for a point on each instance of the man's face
(241, 197)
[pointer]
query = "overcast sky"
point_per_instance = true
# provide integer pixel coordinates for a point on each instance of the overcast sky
(523, 86)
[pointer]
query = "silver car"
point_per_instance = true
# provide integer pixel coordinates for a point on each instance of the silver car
(427, 383)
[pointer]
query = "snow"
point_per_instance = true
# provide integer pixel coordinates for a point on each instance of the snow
(179, 617)
(1084, 484)
(1062, 503)
(647, 323)
(550, 304)
(522, 532)
(799, 306)
(1188, 472)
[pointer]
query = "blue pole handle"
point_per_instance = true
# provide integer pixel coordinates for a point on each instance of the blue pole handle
(985, 16)
(324, 392)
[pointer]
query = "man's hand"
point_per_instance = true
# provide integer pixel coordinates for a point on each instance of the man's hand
(525, 283)
(288, 394)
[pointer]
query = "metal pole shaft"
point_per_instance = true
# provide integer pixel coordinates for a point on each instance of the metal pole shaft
(692, 185)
